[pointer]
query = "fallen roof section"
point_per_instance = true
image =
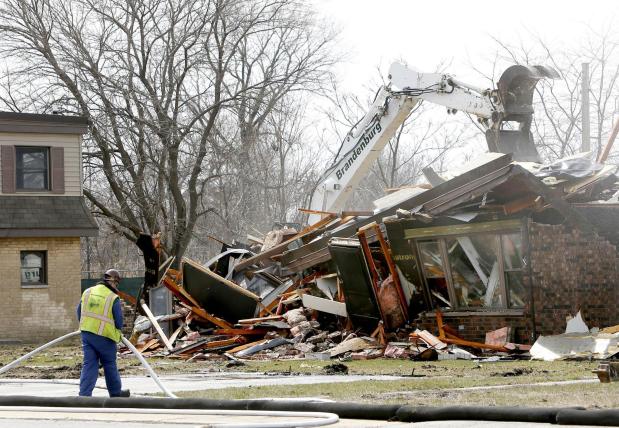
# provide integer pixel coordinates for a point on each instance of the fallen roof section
(498, 184)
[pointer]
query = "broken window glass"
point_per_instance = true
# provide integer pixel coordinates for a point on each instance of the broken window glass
(480, 271)
(431, 258)
(512, 251)
(434, 272)
(512, 266)
(475, 271)
(515, 289)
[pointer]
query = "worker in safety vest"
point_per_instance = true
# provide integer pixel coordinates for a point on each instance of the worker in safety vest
(100, 315)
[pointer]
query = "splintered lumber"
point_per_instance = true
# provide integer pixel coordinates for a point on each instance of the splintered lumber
(210, 344)
(609, 144)
(147, 345)
(279, 248)
(256, 320)
(430, 339)
(520, 204)
(175, 335)
(154, 322)
(241, 331)
(245, 346)
(457, 341)
(357, 213)
(201, 313)
(310, 211)
(127, 298)
(477, 345)
(351, 345)
(611, 330)
(179, 292)
(269, 344)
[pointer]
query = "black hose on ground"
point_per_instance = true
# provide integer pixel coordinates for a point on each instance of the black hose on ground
(380, 412)
(384, 412)
(468, 413)
(588, 417)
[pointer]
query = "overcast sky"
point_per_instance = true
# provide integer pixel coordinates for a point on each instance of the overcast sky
(426, 33)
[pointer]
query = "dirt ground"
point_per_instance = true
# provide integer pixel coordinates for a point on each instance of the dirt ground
(66, 361)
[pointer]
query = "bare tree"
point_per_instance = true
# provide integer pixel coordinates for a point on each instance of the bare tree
(156, 79)
(277, 177)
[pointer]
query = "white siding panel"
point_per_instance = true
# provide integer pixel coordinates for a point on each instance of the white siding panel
(72, 157)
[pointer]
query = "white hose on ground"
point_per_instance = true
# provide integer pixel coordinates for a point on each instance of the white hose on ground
(148, 368)
(317, 418)
(36, 351)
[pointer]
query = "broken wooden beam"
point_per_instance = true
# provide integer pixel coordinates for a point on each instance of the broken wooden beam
(155, 324)
(279, 248)
(201, 313)
(255, 320)
(241, 331)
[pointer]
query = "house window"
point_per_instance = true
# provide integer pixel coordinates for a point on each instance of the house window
(32, 168)
(432, 261)
(33, 268)
(511, 245)
(474, 271)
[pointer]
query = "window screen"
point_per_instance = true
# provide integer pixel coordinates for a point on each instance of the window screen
(32, 168)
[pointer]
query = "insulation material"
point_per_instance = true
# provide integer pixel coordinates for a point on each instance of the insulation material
(576, 325)
(575, 346)
(328, 285)
(389, 303)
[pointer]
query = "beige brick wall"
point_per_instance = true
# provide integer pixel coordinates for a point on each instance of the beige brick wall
(34, 315)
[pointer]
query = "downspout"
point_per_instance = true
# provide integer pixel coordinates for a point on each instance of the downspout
(527, 244)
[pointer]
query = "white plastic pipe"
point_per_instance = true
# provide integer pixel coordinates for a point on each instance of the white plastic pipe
(148, 368)
(36, 351)
(317, 419)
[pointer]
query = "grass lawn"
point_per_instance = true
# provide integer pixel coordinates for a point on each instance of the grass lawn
(426, 383)
(441, 393)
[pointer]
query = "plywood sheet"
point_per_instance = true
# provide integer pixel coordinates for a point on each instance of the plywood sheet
(216, 295)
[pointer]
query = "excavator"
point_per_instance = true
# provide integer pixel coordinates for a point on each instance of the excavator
(505, 113)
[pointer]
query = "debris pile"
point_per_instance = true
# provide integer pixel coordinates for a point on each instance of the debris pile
(362, 285)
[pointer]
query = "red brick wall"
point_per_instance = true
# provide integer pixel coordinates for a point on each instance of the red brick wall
(572, 271)
(569, 271)
(473, 326)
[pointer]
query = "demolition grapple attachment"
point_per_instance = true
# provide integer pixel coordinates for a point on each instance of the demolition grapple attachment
(511, 131)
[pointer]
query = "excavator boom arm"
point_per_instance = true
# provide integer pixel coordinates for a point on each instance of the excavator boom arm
(512, 101)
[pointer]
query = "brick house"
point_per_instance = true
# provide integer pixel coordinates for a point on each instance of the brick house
(42, 218)
(497, 247)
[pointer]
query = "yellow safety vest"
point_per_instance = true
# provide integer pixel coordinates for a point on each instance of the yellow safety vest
(96, 314)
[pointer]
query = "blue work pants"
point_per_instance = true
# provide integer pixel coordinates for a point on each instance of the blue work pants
(98, 349)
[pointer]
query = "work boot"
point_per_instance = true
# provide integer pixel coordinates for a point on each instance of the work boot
(124, 393)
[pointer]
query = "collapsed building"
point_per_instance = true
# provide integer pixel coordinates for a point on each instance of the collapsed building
(495, 246)
(516, 247)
